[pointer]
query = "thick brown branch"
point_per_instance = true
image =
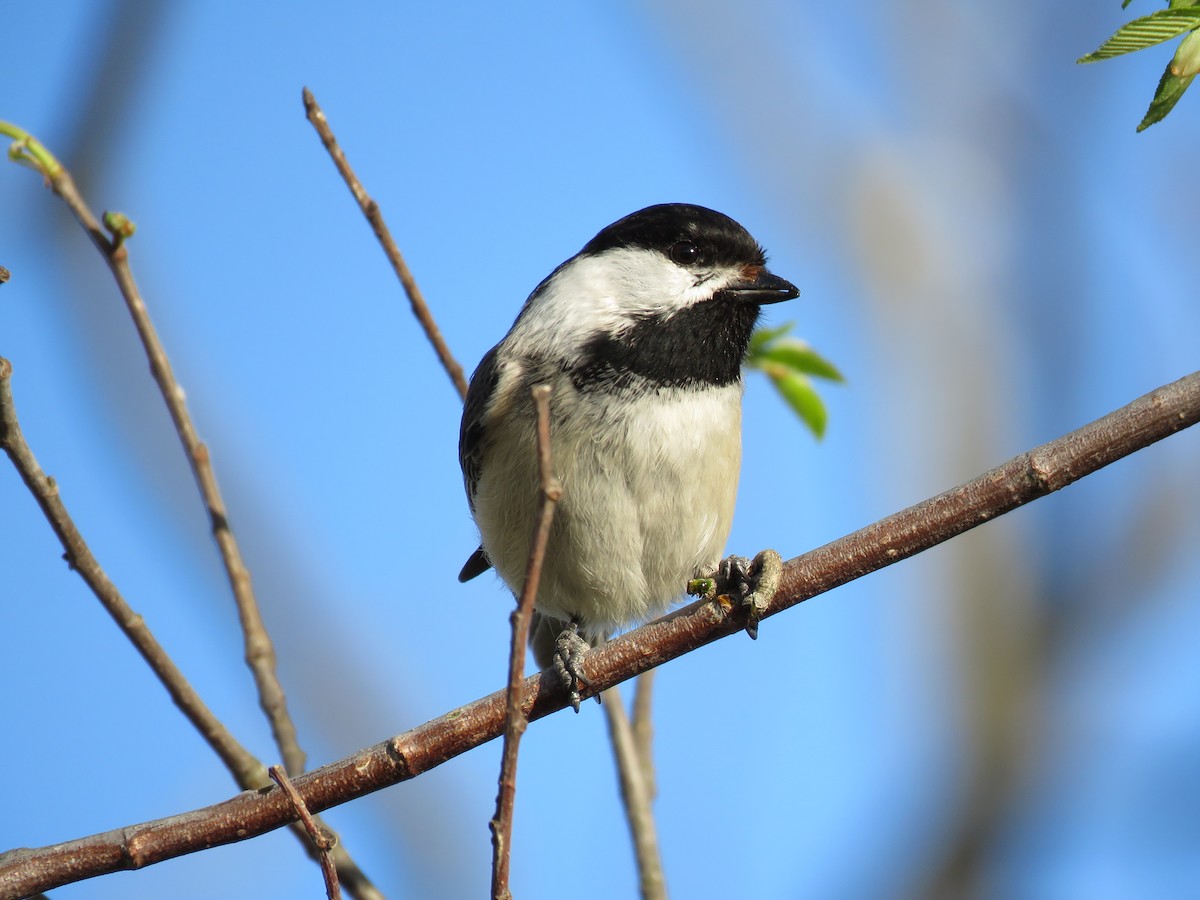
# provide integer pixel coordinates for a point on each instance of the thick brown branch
(374, 216)
(1024, 478)
(515, 720)
(1027, 477)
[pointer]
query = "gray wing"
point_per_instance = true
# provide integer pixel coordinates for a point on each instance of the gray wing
(470, 441)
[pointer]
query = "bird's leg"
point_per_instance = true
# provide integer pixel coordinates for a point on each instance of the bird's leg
(752, 583)
(568, 651)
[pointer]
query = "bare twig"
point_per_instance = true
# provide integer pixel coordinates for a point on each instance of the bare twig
(322, 840)
(259, 651)
(515, 720)
(248, 771)
(643, 727)
(375, 218)
(1022, 479)
(633, 754)
(637, 794)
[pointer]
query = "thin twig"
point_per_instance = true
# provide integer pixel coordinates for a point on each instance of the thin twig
(515, 720)
(323, 841)
(374, 216)
(637, 798)
(247, 770)
(643, 727)
(1022, 479)
(259, 651)
(632, 751)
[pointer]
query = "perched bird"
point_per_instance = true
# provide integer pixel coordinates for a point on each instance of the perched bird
(641, 336)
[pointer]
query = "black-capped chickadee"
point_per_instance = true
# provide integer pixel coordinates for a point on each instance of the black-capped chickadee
(641, 336)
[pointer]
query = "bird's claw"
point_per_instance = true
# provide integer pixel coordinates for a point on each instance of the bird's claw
(569, 648)
(751, 583)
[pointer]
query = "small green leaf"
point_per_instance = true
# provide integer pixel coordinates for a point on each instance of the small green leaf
(1166, 95)
(1186, 61)
(789, 362)
(1146, 32)
(797, 355)
(763, 336)
(798, 391)
(28, 151)
(1174, 4)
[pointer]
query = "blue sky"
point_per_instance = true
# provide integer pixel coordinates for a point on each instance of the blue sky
(983, 245)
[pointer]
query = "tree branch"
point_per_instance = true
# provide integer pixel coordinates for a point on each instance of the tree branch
(374, 216)
(1041, 471)
(515, 721)
(643, 728)
(637, 793)
(323, 840)
(246, 769)
(258, 649)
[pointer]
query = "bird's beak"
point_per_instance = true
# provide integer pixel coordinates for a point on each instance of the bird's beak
(760, 286)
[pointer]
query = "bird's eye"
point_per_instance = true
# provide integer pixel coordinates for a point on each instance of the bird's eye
(684, 252)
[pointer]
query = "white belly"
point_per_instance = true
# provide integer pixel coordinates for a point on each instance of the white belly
(647, 503)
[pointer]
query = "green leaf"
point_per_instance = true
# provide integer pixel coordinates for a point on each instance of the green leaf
(1146, 32)
(1174, 4)
(789, 362)
(800, 395)
(1186, 61)
(1170, 89)
(799, 356)
(763, 336)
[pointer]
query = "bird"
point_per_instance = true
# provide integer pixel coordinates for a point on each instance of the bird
(641, 336)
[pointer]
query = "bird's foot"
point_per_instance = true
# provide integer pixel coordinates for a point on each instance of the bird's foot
(569, 648)
(749, 583)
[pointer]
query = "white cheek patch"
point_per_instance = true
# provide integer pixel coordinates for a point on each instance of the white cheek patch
(605, 293)
(602, 293)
